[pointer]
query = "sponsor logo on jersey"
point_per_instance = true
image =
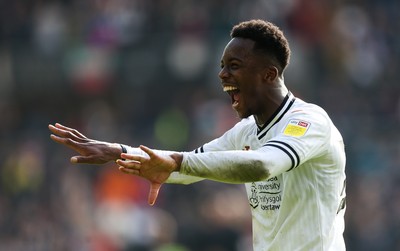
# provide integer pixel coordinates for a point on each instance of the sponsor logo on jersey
(266, 195)
(296, 128)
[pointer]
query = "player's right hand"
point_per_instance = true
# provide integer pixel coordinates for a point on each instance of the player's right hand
(90, 151)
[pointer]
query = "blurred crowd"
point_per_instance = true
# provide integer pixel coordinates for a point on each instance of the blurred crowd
(145, 72)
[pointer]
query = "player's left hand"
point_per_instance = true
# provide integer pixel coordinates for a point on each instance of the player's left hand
(155, 168)
(89, 151)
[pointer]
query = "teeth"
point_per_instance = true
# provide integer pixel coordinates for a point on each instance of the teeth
(229, 88)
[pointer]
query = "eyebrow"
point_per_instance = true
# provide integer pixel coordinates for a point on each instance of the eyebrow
(233, 59)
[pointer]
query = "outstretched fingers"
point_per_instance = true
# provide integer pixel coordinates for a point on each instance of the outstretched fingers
(133, 163)
(71, 130)
(64, 141)
(128, 166)
(129, 171)
(66, 132)
(133, 157)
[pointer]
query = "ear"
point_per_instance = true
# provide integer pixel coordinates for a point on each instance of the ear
(271, 73)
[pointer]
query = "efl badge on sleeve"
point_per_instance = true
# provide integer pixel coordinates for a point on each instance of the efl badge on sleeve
(296, 128)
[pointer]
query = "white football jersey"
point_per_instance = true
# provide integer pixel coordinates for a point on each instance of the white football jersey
(293, 168)
(301, 205)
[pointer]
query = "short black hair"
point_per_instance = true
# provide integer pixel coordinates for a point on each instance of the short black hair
(267, 37)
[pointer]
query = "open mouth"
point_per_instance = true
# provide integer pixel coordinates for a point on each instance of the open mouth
(233, 92)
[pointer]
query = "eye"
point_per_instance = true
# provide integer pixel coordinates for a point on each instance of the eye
(234, 66)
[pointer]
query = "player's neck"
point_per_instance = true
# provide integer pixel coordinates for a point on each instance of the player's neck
(275, 100)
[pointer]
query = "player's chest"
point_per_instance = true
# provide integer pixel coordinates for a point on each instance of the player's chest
(253, 141)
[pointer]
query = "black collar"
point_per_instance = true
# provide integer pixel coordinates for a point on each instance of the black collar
(276, 116)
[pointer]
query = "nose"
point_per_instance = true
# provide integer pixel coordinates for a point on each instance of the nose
(223, 73)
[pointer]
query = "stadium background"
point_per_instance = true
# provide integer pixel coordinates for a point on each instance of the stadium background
(145, 72)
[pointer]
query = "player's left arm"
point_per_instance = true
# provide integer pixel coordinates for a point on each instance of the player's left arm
(300, 137)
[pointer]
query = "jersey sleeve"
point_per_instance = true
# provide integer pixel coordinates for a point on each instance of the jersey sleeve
(234, 166)
(303, 136)
(300, 137)
(225, 142)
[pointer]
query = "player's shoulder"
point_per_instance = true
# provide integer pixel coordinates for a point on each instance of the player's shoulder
(245, 122)
(308, 117)
(244, 125)
(302, 108)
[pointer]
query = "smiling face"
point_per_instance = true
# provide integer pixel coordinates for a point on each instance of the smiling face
(243, 77)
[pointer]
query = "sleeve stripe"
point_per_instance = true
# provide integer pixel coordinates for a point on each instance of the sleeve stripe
(284, 150)
(290, 148)
(199, 150)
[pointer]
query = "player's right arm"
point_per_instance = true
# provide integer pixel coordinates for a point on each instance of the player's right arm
(91, 151)
(100, 152)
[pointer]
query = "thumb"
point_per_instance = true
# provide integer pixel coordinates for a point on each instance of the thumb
(74, 160)
(147, 150)
(154, 189)
(81, 160)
